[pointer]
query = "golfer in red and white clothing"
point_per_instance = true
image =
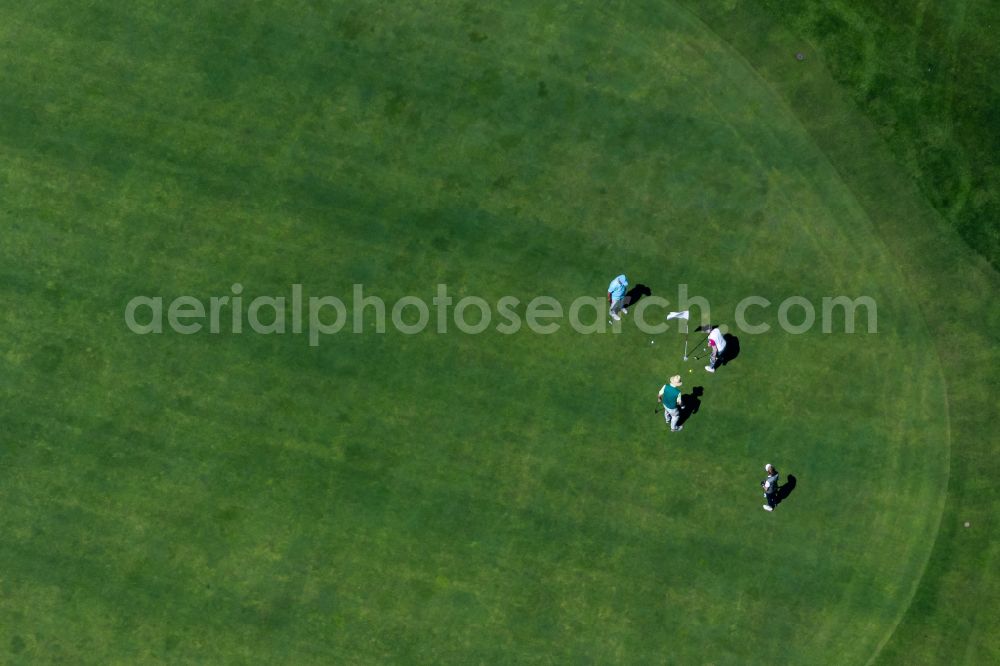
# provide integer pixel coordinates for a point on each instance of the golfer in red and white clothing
(717, 344)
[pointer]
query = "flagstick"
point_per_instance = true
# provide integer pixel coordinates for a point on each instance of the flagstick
(685, 340)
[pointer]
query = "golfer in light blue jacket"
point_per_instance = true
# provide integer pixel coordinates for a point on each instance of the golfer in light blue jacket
(616, 296)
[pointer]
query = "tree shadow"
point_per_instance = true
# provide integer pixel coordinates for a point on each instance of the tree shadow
(786, 489)
(690, 404)
(635, 293)
(732, 349)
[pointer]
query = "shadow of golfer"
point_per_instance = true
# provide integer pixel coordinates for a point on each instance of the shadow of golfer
(786, 489)
(732, 349)
(690, 404)
(635, 293)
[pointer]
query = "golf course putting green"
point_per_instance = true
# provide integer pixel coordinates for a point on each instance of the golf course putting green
(449, 497)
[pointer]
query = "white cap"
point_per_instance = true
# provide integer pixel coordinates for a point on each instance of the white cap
(767, 467)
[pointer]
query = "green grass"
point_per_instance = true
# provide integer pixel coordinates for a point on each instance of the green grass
(454, 498)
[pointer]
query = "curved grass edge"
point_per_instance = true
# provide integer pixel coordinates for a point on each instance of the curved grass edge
(948, 618)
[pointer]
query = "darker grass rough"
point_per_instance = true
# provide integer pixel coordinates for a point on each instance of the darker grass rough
(925, 75)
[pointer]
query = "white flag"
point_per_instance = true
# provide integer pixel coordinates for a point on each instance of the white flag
(679, 315)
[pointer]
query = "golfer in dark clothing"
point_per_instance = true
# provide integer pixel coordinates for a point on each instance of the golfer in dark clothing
(770, 486)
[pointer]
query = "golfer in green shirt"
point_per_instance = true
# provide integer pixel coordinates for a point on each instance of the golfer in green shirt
(670, 396)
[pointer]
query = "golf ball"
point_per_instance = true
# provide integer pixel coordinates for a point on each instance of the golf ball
(690, 370)
(650, 342)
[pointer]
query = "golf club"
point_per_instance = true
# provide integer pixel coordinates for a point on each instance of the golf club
(696, 346)
(702, 355)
